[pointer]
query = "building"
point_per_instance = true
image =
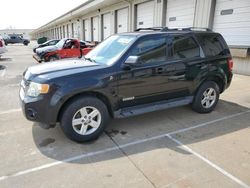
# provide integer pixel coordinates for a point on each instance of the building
(24, 32)
(95, 20)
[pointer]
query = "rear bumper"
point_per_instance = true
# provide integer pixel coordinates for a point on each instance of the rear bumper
(229, 80)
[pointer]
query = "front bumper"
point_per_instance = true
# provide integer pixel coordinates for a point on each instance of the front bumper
(37, 109)
(37, 58)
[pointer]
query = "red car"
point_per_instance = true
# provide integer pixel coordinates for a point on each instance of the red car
(65, 48)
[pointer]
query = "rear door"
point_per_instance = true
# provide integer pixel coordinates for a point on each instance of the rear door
(187, 58)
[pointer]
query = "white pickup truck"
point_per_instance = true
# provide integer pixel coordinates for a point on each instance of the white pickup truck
(2, 46)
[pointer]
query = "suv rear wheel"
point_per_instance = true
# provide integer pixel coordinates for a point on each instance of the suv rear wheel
(84, 119)
(25, 43)
(206, 97)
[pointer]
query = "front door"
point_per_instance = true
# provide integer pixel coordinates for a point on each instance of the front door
(145, 81)
(71, 49)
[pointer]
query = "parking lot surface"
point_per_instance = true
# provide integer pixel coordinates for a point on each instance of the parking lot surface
(170, 148)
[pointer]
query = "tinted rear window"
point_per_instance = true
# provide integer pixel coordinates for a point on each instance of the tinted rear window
(184, 47)
(212, 45)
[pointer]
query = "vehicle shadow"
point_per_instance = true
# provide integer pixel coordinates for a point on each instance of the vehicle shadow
(5, 59)
(122, 132)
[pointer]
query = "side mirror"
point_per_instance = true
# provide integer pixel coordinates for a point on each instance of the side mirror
(132, 60)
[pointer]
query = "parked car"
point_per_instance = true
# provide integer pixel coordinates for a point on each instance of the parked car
(128, 74)
(65, 48)
(2, 46)
(16, 39)
(48, 43)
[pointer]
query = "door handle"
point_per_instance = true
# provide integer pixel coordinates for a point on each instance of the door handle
(159, 70)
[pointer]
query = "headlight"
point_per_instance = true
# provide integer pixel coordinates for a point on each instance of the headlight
(36, 89)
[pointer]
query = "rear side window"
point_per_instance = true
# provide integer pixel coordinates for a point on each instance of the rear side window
(151, 50)
(212, 45)
(184, 47)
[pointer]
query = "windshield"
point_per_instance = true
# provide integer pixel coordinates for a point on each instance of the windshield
(60, 43)
(111, 49)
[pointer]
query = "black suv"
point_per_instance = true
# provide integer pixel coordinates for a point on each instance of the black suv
(128, 74)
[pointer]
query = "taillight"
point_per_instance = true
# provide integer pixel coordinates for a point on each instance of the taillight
(230, 64)
(1, 43)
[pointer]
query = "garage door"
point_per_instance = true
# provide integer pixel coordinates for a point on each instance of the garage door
(232, 20)
(106, 29)
(64, 31)
(95, 28)
(72, 30)
(122, 20)
(87, 30)
(145, 15)
(67, 33)
(180, 13)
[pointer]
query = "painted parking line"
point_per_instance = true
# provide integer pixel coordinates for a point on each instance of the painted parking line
(230, 176)
(3, 72)
(82, 156)
(10, 111)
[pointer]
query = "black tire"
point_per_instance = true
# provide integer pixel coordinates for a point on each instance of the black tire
(72, 109)
(197, 103)
(53, 58)
(25, 43)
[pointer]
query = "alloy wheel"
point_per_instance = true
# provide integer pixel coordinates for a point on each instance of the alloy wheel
(86, 120)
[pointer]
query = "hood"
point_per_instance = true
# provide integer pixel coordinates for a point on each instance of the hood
(60, 68)
(46, 49)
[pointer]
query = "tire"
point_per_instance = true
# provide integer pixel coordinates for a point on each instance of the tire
(25, 43)
(53, 58)
(206, 97)
(79, 112)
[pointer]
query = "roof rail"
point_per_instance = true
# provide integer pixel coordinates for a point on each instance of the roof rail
(173, 29)
(149, 29)
(197, 29)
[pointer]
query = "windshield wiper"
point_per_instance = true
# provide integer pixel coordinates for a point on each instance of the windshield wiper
(89, 59)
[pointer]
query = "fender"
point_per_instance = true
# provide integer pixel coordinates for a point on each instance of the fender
(94, 85)
(49, 54)
(217, 75)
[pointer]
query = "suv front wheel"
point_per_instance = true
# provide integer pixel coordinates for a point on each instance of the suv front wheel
(84, 119)
(206, 97)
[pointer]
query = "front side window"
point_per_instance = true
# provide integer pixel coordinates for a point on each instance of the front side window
(184, 47)
(151, 50)
(61, 43)
(53, 43)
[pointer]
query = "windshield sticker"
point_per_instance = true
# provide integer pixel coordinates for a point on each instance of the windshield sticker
(124, 40)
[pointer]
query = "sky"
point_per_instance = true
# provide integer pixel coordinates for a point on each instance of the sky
(31, 14)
